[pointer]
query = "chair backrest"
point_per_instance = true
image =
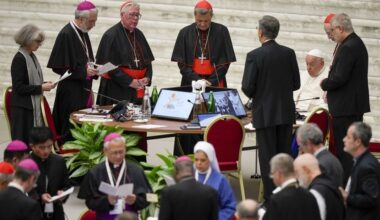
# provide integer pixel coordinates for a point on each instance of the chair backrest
(226, 133)
(374, 148)
(7, 99)
(320, 117)
(48, 117)
(87, 215)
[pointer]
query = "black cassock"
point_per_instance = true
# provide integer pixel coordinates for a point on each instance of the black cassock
(116, 47)
(53, 177)
(98, 201)
(70, 54)
(220, 51)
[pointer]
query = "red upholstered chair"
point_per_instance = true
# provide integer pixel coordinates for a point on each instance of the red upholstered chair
(374, 148)
(87, 215)
(7, 106)
(322, 118)
(227, 133)
(49, 122)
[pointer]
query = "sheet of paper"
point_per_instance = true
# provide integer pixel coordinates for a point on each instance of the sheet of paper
(64, 76)
(106, 68)
(107, 189)
(121, 191)
(249, 127)
(149, 126)
(125, 189)
(65, 193)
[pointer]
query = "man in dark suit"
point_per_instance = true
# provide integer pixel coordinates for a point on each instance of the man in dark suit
(362, 193)
(310, 140)
(15, 204)
(329, 199)
(270, 76)
(289, 201)
(347, 83)
(188, 199)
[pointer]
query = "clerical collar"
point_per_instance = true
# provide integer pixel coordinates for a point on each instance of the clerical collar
(17, 186)
(114, 166)
(285, 184)
(77, 27)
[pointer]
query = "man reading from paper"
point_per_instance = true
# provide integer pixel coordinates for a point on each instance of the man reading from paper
(203, 50)
(116, 171)
(311, 95)
(125, 45)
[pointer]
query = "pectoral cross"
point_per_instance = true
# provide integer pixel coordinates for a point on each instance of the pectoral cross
(202, 58)
(136, 61)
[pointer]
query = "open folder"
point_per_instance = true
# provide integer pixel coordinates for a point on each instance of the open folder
(121, 191)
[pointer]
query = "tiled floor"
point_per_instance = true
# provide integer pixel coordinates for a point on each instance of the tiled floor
(74, 207)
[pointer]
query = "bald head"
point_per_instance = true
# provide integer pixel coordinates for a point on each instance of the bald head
(247, 210)
(306, 167)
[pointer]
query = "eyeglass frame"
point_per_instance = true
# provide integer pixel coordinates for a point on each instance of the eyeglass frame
(136, 16)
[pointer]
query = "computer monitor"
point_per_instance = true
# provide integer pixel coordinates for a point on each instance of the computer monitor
(227, 102)
(206, 118)
(174, 104)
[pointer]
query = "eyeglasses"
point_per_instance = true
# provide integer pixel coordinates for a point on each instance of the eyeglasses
(136, 16)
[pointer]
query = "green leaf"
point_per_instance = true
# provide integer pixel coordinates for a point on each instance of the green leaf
(95, 155)
(168, 162)
(69, 146)
(81, 171)
(134, 151)
(132, 139)
(147, 165)
(77, 135)
(71, 160)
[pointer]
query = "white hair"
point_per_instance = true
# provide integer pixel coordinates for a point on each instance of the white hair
(114, 140)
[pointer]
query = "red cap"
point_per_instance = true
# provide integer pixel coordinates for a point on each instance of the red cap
(85, 5)
(328, 18)
(204, 5)
(6, 168)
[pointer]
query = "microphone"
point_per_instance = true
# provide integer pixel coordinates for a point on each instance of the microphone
(107, 97)
(190, 101)
(314, 98)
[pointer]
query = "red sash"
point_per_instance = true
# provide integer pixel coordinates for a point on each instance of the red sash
(205, 69)
(133, 73)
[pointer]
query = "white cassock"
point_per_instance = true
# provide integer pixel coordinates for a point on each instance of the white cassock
(310, 88)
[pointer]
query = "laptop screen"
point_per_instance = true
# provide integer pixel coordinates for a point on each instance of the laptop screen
(227, 102)
(205, 119)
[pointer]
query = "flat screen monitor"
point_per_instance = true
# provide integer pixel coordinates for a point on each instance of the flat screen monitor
(227, 102)
(174, 105)
(205, 119)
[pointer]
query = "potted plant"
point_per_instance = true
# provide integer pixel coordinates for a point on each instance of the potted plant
(89, 143)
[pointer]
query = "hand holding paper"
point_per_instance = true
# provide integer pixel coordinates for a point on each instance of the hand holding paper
(121, 191)
(106, 68)
(64, 76)
(65, 193)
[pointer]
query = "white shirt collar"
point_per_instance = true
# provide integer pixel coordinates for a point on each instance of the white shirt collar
(17, 186)
(284, 184)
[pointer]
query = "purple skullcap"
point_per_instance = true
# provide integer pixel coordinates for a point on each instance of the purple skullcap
(183, 158)
(6, 168)
(29, 164)
(16, 145)
(111, 136)
(85, 5)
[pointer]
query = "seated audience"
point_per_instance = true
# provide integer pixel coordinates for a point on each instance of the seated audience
(247, 210)
(14, 200)
(6, 174)
(362, 192)
(207, 172)
(309, 175)
(116, 171)
(54, 176)
(310, 140)
(289, 200)
(188, 199)
(15, 152)
(310, 95)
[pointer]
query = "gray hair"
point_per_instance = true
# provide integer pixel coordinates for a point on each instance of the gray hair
(84, 14)
(310, 132)
(342, 20)
(363, 132)
(184, 167)
(247, 209)
(27, 34)
(203, 11)
(126, 8)
(5, 178)
(115, 140)
(270, 26)
(283, 163)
